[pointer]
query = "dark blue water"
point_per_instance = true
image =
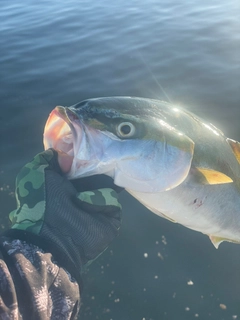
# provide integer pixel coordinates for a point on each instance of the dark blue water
(61, 52)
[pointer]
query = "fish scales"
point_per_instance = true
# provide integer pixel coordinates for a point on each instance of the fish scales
(179, 166)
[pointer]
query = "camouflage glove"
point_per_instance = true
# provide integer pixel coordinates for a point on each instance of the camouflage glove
(75, 227)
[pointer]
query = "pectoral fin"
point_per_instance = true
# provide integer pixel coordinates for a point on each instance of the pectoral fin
(235, 145)
(209, 176)
(217, 240)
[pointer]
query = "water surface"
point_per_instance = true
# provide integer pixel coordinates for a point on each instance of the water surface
(58, 53)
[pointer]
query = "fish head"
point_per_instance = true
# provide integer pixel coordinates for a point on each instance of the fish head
(125, 138)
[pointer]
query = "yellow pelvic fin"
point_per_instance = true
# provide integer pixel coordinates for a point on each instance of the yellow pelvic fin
(235, 145)
(217, 240)
(213, 176)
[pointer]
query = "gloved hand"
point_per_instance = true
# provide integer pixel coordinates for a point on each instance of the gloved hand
(74, 227)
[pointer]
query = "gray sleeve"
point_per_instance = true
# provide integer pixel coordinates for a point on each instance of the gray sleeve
(33, 286)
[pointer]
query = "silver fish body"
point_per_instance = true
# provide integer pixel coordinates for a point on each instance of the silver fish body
(177, 165)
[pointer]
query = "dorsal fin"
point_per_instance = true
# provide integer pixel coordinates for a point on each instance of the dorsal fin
(235, 145)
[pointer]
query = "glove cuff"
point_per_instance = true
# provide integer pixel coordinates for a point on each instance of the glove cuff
(59, 254)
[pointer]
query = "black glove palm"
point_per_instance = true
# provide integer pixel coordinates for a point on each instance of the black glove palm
(76, 227)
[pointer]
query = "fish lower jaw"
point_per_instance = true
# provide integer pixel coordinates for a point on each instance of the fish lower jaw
(84, 168)
(65, 148)
(79, 169)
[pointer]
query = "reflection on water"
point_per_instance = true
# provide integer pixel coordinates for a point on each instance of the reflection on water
(59, 53)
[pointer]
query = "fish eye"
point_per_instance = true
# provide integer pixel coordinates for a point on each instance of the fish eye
(125, 129)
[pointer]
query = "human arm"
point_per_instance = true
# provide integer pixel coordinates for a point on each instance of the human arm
(64, 228)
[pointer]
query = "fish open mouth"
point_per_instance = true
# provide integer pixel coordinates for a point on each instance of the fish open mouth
(65, 131)
(60, 132)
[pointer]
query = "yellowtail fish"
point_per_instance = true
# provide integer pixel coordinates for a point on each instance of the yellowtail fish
(177, 165)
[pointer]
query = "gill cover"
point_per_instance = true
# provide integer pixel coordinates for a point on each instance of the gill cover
(152, 166)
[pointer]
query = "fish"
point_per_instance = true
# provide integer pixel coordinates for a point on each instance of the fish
(176, 164)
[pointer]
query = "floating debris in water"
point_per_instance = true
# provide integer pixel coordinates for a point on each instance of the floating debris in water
(117, 300)
(190, 283)
(196, 315)
(155, 277)
(110, 294)
(6, 188)
(234, 316)
(223, 306)
(187, 309)
(164, 241)
(160, 256)
(145, 255)
(106, 310)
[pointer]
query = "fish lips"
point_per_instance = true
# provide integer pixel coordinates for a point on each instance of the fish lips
(66, 131)
(62, 130)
